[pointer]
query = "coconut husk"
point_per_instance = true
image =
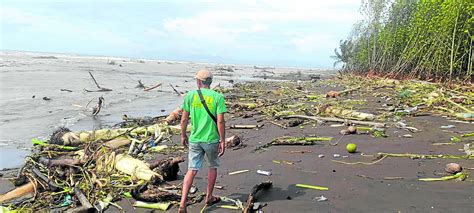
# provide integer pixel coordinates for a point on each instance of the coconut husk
(64, 136)
(168, 168)
(232, 141)
(174, 116)
(453, 168)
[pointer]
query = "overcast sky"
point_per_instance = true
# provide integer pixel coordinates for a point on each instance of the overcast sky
(269, 32)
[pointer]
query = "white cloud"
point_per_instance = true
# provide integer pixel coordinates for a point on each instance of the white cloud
(315, 42)
(58, 25)
(227, 22)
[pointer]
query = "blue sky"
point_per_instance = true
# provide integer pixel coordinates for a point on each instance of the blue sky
(297, 33)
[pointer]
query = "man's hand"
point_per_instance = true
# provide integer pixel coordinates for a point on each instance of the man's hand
(184, 140)
(221, 148)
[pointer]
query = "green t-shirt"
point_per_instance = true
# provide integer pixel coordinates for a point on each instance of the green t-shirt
(204, 129)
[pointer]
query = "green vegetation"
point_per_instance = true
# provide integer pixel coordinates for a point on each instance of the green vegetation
(425, 39)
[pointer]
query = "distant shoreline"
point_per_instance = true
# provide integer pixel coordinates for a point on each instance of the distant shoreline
(163, 60)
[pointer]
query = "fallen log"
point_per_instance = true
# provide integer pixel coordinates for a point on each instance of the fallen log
(251, 198)
(335, 94)
(151, 193)
(340, 120)
(23, 190)
(59, 162)
(134, 167)
(345, 113)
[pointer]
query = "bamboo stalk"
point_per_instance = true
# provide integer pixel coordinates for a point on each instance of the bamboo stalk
(322, 119)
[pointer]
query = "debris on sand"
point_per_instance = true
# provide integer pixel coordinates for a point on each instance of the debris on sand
(90, 169)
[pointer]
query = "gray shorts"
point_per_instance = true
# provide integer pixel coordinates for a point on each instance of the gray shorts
(197, 152)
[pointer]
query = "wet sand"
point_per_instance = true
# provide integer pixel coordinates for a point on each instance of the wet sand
(352, 188)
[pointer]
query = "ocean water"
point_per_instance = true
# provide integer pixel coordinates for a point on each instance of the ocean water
(27, 77)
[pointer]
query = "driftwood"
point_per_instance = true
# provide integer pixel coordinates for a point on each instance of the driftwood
(82, 199)
(59, 162)
(151, 193)
(340, 120)
(250, 200)
(241, 126)
(97, 108)
(153, 87)
(175, 90)
(335, 94)
(28, 188)
(52, 186)
(140, 85)
(101, 89)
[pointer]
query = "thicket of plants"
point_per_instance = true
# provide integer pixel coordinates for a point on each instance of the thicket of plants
(425, 39)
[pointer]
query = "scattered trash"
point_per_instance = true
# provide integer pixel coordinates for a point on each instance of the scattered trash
(262, 172)
(336, 155)
(193, 189)
(46, 98)
(218, 187)
(447, 127)
(320, 156)
(407, 136)
(321, 198)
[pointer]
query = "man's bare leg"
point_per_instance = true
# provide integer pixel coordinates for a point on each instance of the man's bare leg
(187, 183)
(211, 181)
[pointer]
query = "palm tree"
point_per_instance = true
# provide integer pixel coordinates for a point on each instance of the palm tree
(343, 56)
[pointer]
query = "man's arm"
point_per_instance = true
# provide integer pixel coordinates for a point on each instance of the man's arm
(221, 129)
(184, 126)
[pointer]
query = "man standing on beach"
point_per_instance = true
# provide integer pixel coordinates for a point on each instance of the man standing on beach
(206, 108)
